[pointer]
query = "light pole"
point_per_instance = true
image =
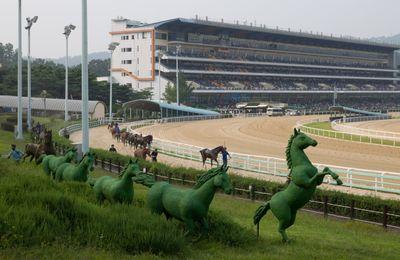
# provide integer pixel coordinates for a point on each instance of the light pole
(19, 123)
(178, 48)
(111, 47)
(159, 55)
(85, 80)
(67, 31)
(30, 23)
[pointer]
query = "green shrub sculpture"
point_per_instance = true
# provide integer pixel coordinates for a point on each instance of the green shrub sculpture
(119, 190)
(189, 205)
(304, 179)
(50, 163)
(80, 172)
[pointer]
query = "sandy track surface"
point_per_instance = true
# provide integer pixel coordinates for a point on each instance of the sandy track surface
(392, 125)
(268, 137)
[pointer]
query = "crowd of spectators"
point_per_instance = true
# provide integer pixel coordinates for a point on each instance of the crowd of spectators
(279, 57)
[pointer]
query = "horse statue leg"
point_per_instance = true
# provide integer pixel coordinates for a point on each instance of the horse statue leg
(328, 171)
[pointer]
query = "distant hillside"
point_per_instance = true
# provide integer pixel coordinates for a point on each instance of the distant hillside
(76, 60)
(388, 39)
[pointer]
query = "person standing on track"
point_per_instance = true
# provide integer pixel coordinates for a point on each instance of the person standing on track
(154, 155)
(112, 149)
(225, 155)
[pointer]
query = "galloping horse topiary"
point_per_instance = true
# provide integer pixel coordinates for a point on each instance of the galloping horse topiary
(80, 172)
(51, 162)
(189, 205)
(120, 190)
(304, 178)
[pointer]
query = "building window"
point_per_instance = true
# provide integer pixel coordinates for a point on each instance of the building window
(144, 35)
(161, 36)
(137, 47)
(133, 37)
(126, 62)
(129, 85)
(126, 50)
(124, 37)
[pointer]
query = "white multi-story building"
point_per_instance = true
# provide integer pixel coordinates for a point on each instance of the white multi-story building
(133, 62)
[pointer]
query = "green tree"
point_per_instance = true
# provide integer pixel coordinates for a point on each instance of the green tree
(100, 68)
(185, 90)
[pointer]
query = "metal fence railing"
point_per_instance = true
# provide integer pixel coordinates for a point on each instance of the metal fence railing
(350, 133)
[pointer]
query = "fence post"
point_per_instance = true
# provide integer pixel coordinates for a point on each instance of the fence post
(102, 163)
(183, 179)
(119, 167)
(233, 189)
(109, 165)
(95, 160)
(169, 177)
(325, 206)
(385, 216)
(155, 176)
(352, 213)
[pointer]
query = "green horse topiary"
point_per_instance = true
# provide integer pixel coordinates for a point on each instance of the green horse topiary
(50, 163)
(303, 182)
(119, 190)
(189, 205)
(80, 172)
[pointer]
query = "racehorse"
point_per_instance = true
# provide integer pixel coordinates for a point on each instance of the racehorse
(80, 172)
(51, 162)
(142, 153)
(212, 154)
(36, 150)
(124, 137)
(189, 205)
(143, 141)
(304, 180)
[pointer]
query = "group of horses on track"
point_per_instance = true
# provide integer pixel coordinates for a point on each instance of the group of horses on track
(140, 143)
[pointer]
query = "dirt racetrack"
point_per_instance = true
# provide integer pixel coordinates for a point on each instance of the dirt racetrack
(392, 125)
(268, 137)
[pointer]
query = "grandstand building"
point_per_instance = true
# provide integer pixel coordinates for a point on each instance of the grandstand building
(230, 63)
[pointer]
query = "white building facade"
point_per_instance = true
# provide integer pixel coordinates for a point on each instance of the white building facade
(134, 61)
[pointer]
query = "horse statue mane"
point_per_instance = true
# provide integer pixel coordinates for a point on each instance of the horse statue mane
(207, 176)
(288, 155)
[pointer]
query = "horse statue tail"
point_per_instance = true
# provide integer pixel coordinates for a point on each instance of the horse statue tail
(40, 159)
(260, 212)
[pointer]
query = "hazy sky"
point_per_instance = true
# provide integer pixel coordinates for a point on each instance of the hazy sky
(360, 18)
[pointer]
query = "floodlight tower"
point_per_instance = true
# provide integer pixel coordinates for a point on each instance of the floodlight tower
(67, 31)
(178, 48)
(19, 123)
(28, 27)
(159, 54)
(111, 47)
(85, 80)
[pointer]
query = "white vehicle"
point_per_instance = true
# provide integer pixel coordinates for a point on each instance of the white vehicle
(292, 112)
(274, 111)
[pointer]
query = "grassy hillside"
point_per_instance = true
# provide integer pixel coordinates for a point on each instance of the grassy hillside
(41, 218)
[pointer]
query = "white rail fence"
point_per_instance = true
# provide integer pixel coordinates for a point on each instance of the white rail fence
(351, 177)
(340, 125)
(349, 133)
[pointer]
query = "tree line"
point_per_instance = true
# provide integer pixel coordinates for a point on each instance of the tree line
(49, 76)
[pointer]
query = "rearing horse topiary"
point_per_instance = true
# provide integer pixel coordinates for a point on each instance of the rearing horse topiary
(51, 162)
(304, 180)
(189, 205)
(80, 172)
(119, 190)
